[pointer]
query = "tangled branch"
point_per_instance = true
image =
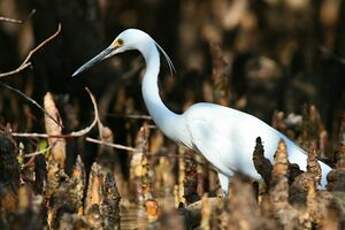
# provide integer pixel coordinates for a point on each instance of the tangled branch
(78, 133)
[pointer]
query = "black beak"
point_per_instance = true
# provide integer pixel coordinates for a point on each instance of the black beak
(101, 56)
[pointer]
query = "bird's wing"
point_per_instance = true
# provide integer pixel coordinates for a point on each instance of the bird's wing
(216, 134)
(226, 137)
(207, 141)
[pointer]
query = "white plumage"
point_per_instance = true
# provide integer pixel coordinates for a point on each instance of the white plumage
(224, 136)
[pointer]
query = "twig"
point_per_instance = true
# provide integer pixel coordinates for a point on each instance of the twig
(30, 100)
(26, 62)
(19, 69)
(10, 20)
(116, 146)
(74, 134)
(88, 129)
(35, 135)
(131, 149)
(98, 120)
(17, 21)
(132, 116)
(40, 151)
(33, 11)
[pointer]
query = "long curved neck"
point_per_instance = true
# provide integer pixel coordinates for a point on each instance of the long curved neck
(161, 115)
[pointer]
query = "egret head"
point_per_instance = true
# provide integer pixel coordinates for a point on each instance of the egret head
(130, 39)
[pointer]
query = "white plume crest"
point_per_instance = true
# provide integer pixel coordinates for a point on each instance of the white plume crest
(168, 60)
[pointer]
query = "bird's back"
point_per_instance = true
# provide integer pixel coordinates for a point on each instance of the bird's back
(226, 137)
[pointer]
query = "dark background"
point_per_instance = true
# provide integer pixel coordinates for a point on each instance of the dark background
(275, 56)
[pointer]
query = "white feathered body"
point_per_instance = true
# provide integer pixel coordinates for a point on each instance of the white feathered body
(227, 137)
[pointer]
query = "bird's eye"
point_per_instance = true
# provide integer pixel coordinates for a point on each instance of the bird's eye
(119, 42)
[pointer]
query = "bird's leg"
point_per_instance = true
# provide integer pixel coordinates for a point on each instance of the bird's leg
(224, 182)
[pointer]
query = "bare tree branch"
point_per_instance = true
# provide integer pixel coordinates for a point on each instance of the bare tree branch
(131, 149)
(131, 116)
(33, 11)
(74, 134)
(10, 20)
(26, 62)
(116, 146)
(88, 129)
(17, 21)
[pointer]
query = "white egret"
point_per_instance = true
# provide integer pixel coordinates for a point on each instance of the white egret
(224, 136)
